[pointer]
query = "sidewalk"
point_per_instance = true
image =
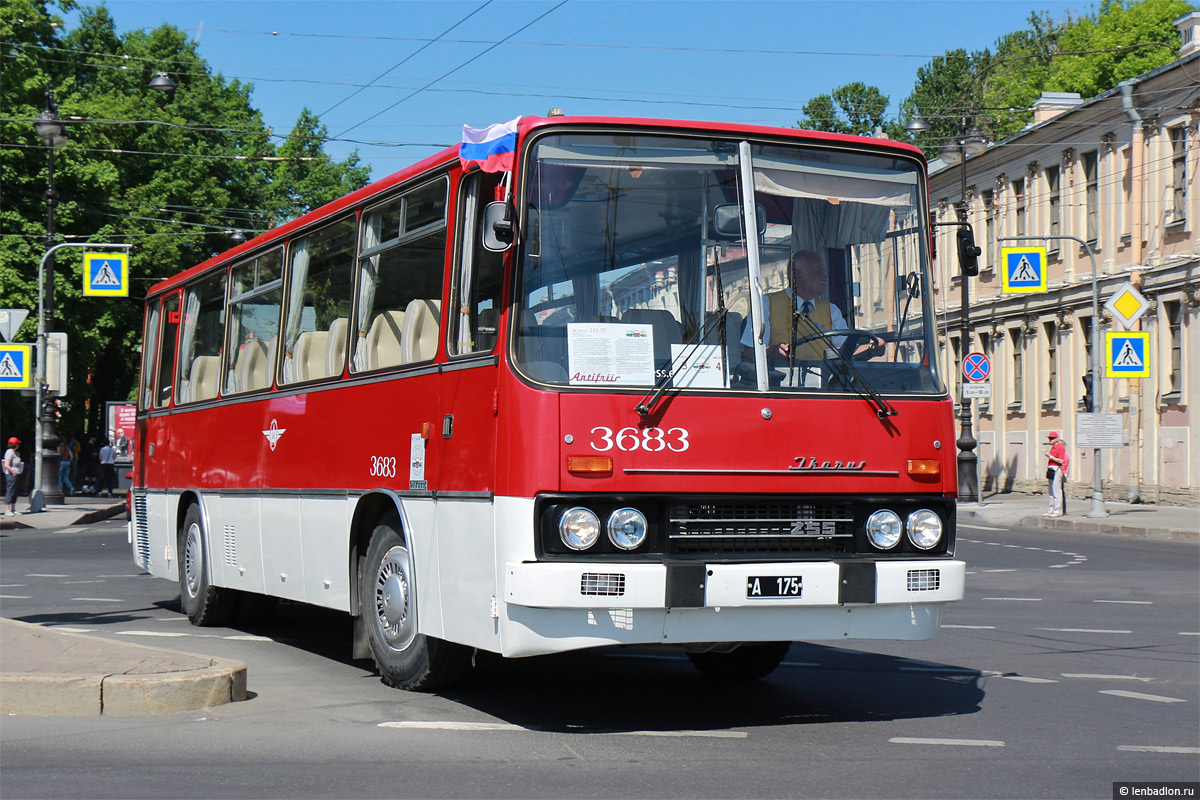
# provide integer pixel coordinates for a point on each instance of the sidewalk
(48, 671)
(1141, 521)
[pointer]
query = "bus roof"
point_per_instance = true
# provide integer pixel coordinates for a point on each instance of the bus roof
(527, 124)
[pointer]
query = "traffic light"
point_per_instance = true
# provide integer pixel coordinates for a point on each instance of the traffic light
(968, 253)
(1089, 400)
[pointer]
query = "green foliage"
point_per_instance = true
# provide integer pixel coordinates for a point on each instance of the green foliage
(854, 108)
(171, 174)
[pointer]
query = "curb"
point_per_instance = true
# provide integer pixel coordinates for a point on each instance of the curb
(1112, 529)
(87, 518)
(184, 682)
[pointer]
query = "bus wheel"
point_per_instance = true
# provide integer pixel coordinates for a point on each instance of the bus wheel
(747, 663)
(387, 594)
(204, 604)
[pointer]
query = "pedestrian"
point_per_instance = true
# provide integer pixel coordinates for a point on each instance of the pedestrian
(13, 468)
(1057, 465)
(108, 469)
(64, 468)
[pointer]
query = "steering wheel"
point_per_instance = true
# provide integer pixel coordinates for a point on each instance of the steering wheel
(853, 338)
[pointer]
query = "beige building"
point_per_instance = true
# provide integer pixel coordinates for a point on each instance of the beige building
(1121, 172)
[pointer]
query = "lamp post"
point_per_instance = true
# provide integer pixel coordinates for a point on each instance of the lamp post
(968, 143)
(46, 490)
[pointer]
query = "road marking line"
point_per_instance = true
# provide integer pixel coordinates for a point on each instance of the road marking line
(246, 637)
(16, 597)
(1059, 566)
(76, 583)
(978, 528)
(999, 570)
(1105, 677)
(1127, 602)
(1189, 633)
(1013, 546)
(1139, 696)
(957, 742)
(45, 575)
(1152, 748)
(972, 627)
(1081, 630)
(11, 585)
(96, 600)
(1017, 599)
(1035, 549)
(69, 629)
(1024, 679)
(151, 633)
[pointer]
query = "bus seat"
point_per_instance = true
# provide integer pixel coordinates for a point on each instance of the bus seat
(665, 327)
(383, 340)
(335, 358)
(311, 355)
(205, 377)
(254, 365)
(421, 321)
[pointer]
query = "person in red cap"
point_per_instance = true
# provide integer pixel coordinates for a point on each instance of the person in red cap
(1056, 472)
(13, 467)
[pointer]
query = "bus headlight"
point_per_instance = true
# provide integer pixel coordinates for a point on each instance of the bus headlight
(627, 528)
(884, 529)
(579, 528)
(924, 529)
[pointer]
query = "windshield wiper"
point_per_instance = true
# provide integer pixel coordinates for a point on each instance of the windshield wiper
(646, 407)
(852, 376)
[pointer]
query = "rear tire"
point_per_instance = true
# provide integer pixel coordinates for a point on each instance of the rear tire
(204, 604)
(749, 662)
(388, 601)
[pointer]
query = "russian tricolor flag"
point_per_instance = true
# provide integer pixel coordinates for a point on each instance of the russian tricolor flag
(492, 148)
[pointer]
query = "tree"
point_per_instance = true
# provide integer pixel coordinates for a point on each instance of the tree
(854, 108)
(946, 88)
(172, 175)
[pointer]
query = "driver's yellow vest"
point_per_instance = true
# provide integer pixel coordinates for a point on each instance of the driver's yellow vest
(780, 307)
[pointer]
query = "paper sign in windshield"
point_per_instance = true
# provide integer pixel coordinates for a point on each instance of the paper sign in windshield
(610, 354)
(698, 367)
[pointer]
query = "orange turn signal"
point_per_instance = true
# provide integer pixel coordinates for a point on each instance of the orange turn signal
(590, 465)
(924, 466)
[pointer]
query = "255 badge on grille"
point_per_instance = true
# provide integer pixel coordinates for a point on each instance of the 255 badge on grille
(774, 586)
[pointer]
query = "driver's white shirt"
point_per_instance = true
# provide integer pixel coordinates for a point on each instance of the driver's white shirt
(835, 317)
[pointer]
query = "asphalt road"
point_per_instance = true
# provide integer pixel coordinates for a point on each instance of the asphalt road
(1073, 663)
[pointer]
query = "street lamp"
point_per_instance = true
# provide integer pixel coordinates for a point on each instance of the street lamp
(52, 131)
(968, 143)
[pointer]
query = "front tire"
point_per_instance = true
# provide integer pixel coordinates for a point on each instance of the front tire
(749, 662)
(205, 605)
(388, 601)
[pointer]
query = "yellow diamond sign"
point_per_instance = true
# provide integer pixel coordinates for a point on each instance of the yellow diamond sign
(1127, 305)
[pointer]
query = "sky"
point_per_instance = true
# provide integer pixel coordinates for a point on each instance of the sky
(397, 80)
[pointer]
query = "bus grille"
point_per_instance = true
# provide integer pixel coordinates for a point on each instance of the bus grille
(141, 531)
(760, 527)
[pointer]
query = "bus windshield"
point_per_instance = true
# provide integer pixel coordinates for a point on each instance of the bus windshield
(636, 270)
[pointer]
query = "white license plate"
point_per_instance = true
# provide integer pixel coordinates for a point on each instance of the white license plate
(774, 586)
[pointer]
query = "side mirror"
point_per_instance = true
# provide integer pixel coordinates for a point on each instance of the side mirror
(727, 220)
(968, 253)
(497, 227)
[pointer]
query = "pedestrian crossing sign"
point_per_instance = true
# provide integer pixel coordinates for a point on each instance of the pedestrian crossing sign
(16, 366)
(1127, 355)
(1023, 269)
(106, 274)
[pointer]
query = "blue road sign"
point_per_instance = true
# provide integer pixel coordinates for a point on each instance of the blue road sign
(1023, 269)
(106, 274)
(1127, 355)
(16, 366)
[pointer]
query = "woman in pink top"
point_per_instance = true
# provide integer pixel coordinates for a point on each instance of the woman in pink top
(1056, 472)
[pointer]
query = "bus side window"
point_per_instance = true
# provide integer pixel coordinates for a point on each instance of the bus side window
(319, 295)
(166, 350)
(256, 290)
(401, 265)
(149, 355)
(200, 340)
(475, 305)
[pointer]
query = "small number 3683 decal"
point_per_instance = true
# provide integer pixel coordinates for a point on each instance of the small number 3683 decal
(383, 466)
(652, 440)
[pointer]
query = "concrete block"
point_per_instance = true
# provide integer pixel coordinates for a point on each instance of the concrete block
(43, 694)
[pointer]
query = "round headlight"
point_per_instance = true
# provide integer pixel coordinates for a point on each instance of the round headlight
(579, 528)
(884, 529)
(627, 528)
(924, 529)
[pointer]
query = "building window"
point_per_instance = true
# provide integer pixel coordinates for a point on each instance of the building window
(1092, 196)
(1054, 200)
(1051, 399)
(1173, 311)
(1016, 385)
(989, 228)
(1022, 204)
(1177, 212)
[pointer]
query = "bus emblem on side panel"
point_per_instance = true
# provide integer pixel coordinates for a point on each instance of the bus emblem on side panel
(274, 433)
(812, 465)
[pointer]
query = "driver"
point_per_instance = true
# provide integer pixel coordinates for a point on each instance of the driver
(811, 278)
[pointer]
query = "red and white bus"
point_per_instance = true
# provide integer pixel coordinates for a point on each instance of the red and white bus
(534, 411)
